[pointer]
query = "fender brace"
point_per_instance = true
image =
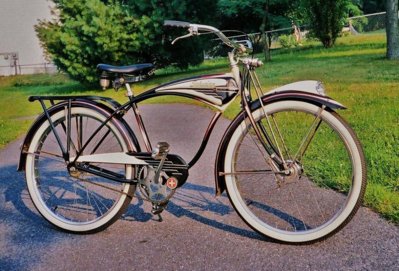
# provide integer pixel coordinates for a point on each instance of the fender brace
(57, 103)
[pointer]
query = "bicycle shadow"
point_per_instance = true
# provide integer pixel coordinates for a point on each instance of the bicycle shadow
(15, 192)
(185, 203)
(24, 232)
(189, 204)
(194, 201)
(13, 186)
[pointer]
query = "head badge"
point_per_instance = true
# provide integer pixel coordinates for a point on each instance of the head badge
(172, 183)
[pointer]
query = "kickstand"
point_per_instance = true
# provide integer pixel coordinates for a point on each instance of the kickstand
(157, 210)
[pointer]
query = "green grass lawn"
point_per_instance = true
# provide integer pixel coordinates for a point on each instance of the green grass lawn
(354, 72)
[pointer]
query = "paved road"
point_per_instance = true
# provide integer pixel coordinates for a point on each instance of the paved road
(199, 232)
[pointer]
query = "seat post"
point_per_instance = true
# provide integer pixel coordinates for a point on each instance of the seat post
(129, 92)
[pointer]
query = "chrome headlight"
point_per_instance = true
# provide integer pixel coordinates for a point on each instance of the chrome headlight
(321, 89)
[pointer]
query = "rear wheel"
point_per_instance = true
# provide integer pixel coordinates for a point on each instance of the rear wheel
(70, 199)
(325, 176)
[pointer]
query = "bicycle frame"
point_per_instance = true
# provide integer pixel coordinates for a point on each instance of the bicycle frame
(217, 90)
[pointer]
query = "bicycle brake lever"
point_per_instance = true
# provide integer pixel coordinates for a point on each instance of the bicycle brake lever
(182, 37)
(193, 32)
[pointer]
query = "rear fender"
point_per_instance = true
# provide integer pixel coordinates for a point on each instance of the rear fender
(315, 95)
(100, 107)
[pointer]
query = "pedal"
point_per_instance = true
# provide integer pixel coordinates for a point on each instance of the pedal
(157, 210)
(161, 150)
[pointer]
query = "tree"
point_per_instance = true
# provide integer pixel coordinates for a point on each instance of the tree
(371, 6)
(262, 28)
(118, 32)
(392, 29)
(255, 16)
(327, 17)
(185, 52)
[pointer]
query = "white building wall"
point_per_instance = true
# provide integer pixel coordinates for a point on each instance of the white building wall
(17, 34)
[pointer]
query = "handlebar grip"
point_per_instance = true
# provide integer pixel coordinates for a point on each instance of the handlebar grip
(176, 23)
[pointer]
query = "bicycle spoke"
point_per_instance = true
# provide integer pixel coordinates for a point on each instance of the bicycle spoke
(100, 142)
(79, 131)
(297, 209)
(308, 137)
(75, 198)
(103, 186)
(281, 137)
(64, 128)
(52, 194)
(260, 149)
(266, 171)
(51, 156)
(97, 200)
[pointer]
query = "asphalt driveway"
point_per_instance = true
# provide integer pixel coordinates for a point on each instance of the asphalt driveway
(199, 231)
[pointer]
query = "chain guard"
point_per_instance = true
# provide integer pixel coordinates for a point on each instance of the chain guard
(174, 166)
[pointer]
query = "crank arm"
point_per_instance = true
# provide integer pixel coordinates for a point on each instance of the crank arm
(161, 151)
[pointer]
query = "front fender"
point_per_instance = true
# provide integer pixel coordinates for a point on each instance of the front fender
(60, 106)
(310, 91)
(295, 91)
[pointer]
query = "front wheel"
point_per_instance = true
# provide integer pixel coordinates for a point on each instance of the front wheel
(323, 182)
(74, 200)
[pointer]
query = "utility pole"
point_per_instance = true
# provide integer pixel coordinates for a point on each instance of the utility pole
(13, 57)
(264, 36)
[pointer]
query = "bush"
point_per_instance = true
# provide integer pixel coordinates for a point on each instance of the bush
(120, 33)
(327, 18)
(287, 41)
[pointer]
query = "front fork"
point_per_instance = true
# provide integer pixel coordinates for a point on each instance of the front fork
(274, 157)
(273, 141)
(274, 160)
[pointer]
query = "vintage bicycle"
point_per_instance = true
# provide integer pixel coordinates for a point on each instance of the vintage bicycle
(293, 169)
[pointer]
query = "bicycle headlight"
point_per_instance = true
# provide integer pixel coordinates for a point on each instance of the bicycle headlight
(320, 89)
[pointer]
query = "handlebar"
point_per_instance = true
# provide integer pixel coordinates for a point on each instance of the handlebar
(176, 23)
(194, 30)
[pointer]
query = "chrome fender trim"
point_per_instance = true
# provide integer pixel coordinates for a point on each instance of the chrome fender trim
(311, 86)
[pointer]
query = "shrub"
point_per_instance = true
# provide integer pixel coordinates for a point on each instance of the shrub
(327, 18)
(118, 32)
(287, 41)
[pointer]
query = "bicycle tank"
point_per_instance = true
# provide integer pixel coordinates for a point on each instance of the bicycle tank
(215, 89)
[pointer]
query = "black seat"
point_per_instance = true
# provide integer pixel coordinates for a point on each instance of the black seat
(134, 70)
